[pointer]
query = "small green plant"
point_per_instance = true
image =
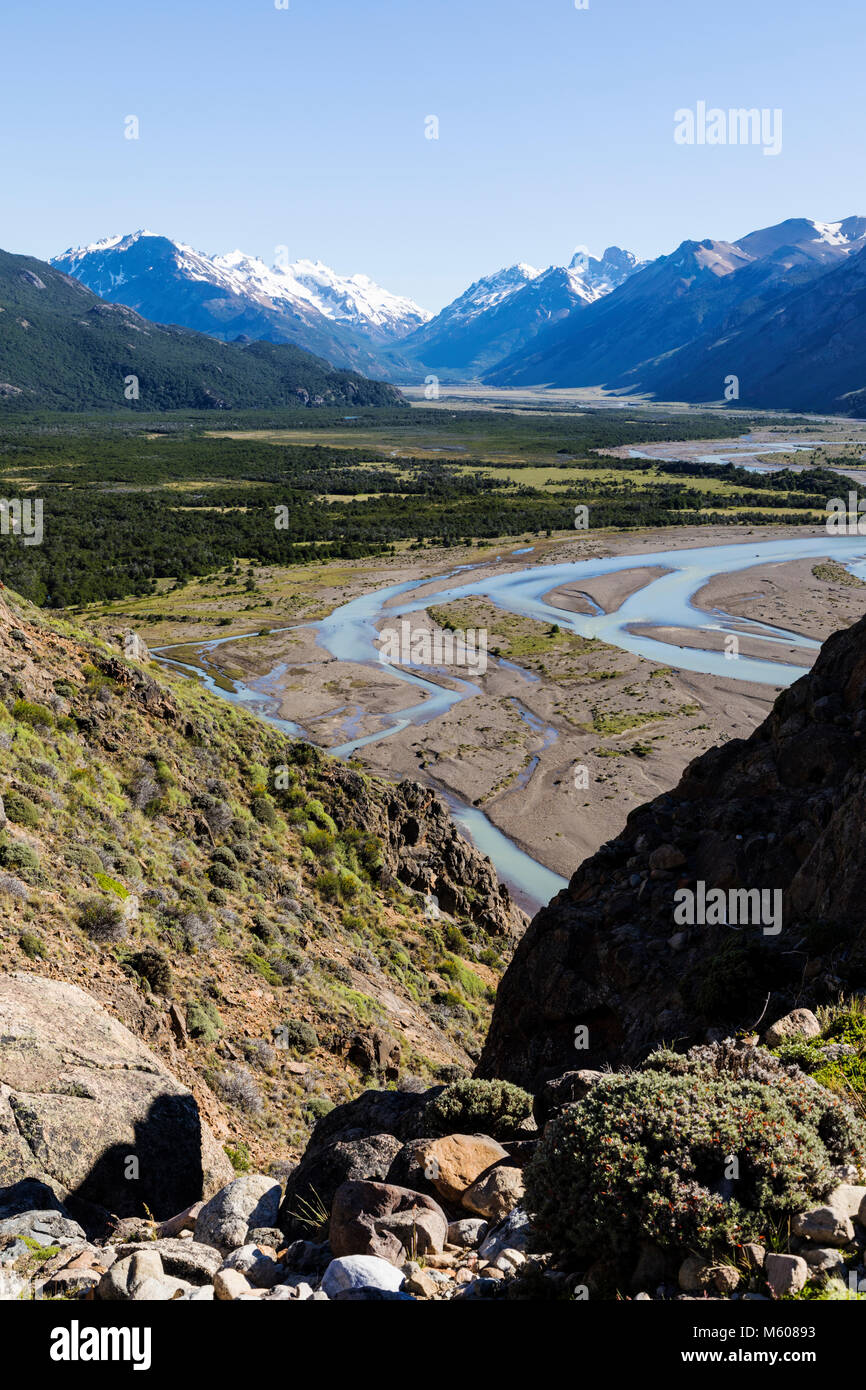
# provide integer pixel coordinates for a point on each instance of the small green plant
(102, 920)
(21, 810)
(32, 945)
(239, 1156)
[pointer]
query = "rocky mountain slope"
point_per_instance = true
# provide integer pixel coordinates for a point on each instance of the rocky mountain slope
(266, 920)
(782, 811)
(63, 348)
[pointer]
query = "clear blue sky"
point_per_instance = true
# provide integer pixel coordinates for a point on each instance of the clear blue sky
(305, 127)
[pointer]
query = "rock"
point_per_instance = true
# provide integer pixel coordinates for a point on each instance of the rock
(266, 1235)
(190, 1260)
(351, 1157)
(799, 1023)
(225, 1221)
(724, 1279)
(454, 1162)
(824, 1259)
(755, 1255)
(849, 1199)
(786, 1274)
(46, 1227)
(513, 1233)
(354, 1272)
(371, 1296)
(372, 1051)
(495, 1193)
(479, 1289)
(467, 1233)
(422, 1285)
(139, 1278)
(828, 1225)
(666, 857)
(567, 1089)
(371, 1218)
(80, 1096)
(183, 1221)
(259, 1267)
(29, 1195)
(69, 1283)
(783, 807)
(229, 1284)
(694, 1274)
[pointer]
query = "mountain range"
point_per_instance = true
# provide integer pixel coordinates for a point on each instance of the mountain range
(781, 310)
(63, 348)
(772, 320)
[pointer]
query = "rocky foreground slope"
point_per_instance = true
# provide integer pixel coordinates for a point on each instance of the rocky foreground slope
(278, 927)
(229, 898)
(783, 811)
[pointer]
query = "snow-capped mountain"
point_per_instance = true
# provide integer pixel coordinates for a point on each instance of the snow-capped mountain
(345, 319)
(711, 309)
(501, 313)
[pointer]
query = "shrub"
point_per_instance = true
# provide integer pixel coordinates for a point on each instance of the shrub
(19, 859)
(29, 712)
(237, 1087)
(263, 810)
(239, 1156)
(644, 1157)
(203, 1020)
(32, 945)
(218, 897)
(21, 810)
(13, 887)
(102, 920)
(221, 876)
(297, 1035)
(497, 1108)
(226, 856)
(153, 966)
(316, 1108)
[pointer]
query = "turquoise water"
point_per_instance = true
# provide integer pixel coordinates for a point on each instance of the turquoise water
(350, 633)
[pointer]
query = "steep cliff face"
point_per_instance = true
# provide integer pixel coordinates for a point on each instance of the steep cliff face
(609, 969)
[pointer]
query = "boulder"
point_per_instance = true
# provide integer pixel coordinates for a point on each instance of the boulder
(467, 1233)
(88, 1109)
(225, 1221)
(495, 1193)
(454, 1162)
(513, 1233)
(799, 1023)
(356, 1272)
(694, 1275)
(230, 1284)
(139, 1278)
(373, 1218)
(260, 1268)
(827, 1225)
(784, 807)
(354, 1142)
(786, 1274)
(190, 1260)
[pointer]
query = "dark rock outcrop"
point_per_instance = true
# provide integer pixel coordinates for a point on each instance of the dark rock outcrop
(423, 849)
(605, 972)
